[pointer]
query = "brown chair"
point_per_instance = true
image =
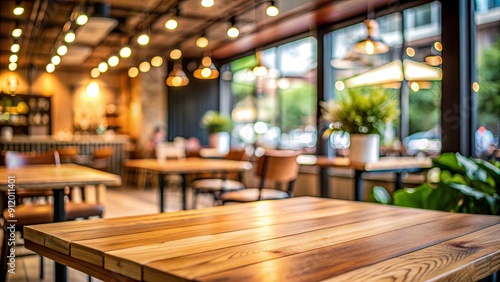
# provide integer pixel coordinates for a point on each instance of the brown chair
(36, 213)
(216, 186)
(279, 166)
(101, 158)
(68, 154)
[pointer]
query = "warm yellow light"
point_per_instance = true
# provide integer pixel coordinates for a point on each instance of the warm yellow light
(82, 19)
(176, 81)
(207, 3)
(113, 61)
(50, 68)
(434, 60)
(475, 86)
(62, 50)
(56, 60)
(260, 71)
(70, 36)
(156, 61)
(206, 72)
(370, 48)
(17, 32)
(144, 66)
(438, 46)
(125, 52)
(410, 52)
(272, 10)
(95, 73)
(18, 10)
(15, 48)
(143, 39)
(339, 85)
(12, 66)
(233, 32)
(171, 24)
(202, 42)
(415, 86)
(102, 67)
(92, 90)
(13, 58)
(133, 72)
(175, 54)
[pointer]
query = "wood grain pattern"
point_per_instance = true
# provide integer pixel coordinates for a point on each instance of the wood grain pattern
(298, 239)
(189, 165)
(51, 176)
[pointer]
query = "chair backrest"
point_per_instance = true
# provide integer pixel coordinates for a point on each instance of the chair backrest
(280, 166)
(68, 154)
(169, 150)
(18, 159)
(236, 155)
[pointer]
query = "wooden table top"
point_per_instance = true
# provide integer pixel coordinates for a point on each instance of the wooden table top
(52, 176)
(189, 165)
(297, 239)
(385, 163)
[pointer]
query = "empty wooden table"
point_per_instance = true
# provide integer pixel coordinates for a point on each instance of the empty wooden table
(55, 177)
(297, 239)
(185, 167)
(396, 165)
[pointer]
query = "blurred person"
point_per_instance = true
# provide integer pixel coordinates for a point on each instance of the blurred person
(157, 136)
(484, 140)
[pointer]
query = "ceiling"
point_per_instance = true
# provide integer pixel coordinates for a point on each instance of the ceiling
(44, 22)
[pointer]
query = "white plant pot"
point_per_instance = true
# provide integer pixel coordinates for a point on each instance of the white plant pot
(219, 140)
(364, 148)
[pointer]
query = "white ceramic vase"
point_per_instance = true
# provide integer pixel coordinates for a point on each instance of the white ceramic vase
(219, 140)
(364, 148)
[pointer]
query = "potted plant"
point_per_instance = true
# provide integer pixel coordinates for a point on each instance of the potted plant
(455, 183)
(364, 113)
(218, 127)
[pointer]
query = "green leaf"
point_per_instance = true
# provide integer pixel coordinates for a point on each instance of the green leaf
(381, 195)
(478, 196)
(493, 172)
(413, 197)
(472, 170)
(448, 161)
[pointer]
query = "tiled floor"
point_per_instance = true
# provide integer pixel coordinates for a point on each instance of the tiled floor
(119, 202)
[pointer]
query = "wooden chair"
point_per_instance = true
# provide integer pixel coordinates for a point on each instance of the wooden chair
(279, 166)
(216, 186)
(28, 213)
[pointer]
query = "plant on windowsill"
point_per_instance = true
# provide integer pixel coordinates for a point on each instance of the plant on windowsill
(364, 113)
(456, 184)
(218, 126)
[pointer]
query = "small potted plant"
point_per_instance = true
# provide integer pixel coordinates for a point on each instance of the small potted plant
(364, 113)
(218, 127)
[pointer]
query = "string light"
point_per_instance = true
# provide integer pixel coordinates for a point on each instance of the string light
(272, 10)
(125, 52)
(207, 3)
(143, 39)
(113, 61)
(18, 10)
(175, 54)
(233, 31)
(15, 48)
(50, 68)
(102, 67)
(62, 50)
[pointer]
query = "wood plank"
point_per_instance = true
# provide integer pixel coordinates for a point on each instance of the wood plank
(477, 254)
(334, 260)
(59, 235)
(92, 250)
(387, 163)
(189, 165)
(205, 263)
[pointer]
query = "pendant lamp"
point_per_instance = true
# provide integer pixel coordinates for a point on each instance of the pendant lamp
(206, 70)
(177, 77)
(371, 45)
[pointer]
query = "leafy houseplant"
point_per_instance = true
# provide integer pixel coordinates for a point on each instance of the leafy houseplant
(465, 185)
(215, 122)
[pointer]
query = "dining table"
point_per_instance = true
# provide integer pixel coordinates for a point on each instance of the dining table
(56, 178)
(296, 239)
(185, 167)
(396, 165)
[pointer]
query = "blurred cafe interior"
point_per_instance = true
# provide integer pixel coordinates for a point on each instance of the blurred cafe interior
(109, 83)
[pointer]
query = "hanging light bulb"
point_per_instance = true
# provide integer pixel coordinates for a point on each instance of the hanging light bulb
(156, 61)
(18, 10)
(17, 32)
(371, 45)
(62, 50)
(56, 60)
(260, 69)
(81, 17)
(113, 61)
(125, 52)
(206, 70)
(50, 68)
(102, 67)
(202, 41)
(15, 48)
(233, 31)
(172, 23)
(95, 73)
(272, 10)
(133, 72)
(143, 39)
(144, 66)
(177, 77)
(70, 36)
(207, 3)
(13, 58)
(175, 54)
(12, 66)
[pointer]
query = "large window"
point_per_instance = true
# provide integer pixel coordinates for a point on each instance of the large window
(487, 88)
(276, 109)
(409, 71)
